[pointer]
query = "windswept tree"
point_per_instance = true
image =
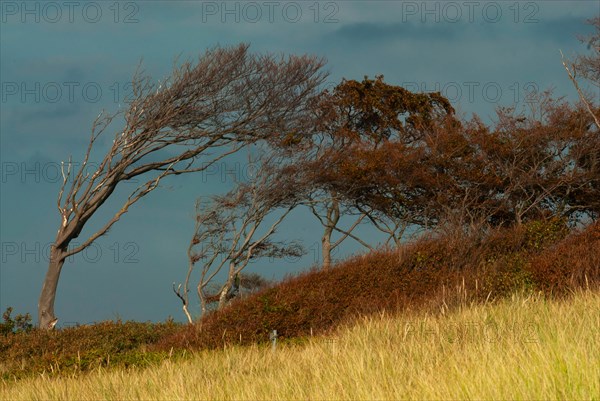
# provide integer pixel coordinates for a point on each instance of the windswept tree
(204, 111)
(469, 174)
(542, 164)
(362, 125)
(386, 184)
(234, 229)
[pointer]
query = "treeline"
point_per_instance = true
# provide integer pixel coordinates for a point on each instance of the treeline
(365, 151)
(407, 164)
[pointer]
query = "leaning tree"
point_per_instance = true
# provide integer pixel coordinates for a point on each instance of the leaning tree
(203, 112)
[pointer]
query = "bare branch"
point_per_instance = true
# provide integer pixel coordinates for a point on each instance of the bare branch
(230, 229)
(184, 300)
(348, 233)
(572, 73)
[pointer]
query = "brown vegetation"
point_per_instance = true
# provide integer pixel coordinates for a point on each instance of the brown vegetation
(503, 200)
(433, 274)
(80, 349)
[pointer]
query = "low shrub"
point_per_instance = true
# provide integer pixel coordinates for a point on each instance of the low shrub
(83, 348)
(20, 323)
(570, 264)
(436, 273)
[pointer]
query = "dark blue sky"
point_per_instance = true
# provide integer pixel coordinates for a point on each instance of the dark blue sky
(63, 62)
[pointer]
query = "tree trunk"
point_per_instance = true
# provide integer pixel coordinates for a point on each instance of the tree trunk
(187, 314)
(227, 285)
(203, 307)
(46, 317)
(223, 297)
(202, 302)
(326, 248)
(333, 216)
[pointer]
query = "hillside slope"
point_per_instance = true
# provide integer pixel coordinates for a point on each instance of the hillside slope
(433, 274)
(524, 347)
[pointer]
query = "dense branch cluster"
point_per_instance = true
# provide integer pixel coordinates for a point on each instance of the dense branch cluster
(234, 229)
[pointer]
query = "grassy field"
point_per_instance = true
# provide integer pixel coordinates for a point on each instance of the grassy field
(525, 347)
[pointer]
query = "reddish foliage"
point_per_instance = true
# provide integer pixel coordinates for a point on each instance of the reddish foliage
(573, 263)
(83, 348)
(522, 168)
(448, 270)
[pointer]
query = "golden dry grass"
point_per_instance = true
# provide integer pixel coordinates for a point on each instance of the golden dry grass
(526, 347)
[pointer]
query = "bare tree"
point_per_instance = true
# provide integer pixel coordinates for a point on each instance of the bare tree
(236, 228)
(589, 65)
(202, 113)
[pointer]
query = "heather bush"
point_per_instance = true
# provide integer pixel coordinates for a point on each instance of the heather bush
(570, 264)
(78, 349)
(20, 323)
